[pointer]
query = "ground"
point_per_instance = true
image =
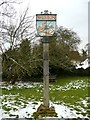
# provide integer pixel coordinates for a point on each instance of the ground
(69, 96)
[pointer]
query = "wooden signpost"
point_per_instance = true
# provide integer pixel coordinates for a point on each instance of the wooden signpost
(46, 27)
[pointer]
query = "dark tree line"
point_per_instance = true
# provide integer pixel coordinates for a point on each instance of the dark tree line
(25, 62)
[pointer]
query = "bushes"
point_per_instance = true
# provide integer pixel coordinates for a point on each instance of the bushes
(82, 72)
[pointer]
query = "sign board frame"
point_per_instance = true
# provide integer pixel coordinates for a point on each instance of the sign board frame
(46, 24)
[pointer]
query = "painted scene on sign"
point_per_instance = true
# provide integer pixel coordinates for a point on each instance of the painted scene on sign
(46, 28)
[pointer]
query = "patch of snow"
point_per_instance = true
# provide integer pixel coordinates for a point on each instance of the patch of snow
(65, 112)
(61, 110)
(20, 85)
(1, 112)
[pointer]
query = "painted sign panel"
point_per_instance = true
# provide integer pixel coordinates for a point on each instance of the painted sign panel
(45, 25)
(46, 28)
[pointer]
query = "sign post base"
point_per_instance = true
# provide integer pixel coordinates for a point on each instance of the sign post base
(44, 111)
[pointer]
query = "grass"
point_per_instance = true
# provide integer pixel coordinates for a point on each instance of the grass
(64, 91)
(26, 93)
(71, 97)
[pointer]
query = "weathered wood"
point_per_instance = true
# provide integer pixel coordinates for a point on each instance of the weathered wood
(46, 73)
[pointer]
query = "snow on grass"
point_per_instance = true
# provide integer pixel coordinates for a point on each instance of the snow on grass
(20, 85)
(16, 105)
(70, 86)
(62, 111)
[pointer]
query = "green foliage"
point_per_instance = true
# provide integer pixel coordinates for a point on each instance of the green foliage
(68, 37)
(63, 49)
(26, 61)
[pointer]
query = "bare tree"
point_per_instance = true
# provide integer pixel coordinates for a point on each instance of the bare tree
(14, 30)
(7, 7)
(7, 11)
